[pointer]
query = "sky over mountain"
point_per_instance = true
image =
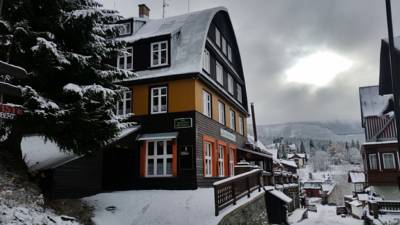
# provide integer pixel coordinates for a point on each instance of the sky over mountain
(303, 60)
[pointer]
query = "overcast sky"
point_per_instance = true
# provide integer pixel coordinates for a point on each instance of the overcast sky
(303, 59)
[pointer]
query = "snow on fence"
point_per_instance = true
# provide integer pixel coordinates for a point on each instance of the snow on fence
(229, 190)
(385, 206)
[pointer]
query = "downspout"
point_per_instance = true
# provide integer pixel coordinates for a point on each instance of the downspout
(253, 117)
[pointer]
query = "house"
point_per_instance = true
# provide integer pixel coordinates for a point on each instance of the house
(379, 152)
(190, 105)
(299, 158)
(357, 179)
(312, 188)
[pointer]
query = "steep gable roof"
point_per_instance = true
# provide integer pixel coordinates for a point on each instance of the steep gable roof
(188, 37)
(372, 104)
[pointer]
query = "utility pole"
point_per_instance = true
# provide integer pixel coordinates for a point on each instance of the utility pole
(394, 71)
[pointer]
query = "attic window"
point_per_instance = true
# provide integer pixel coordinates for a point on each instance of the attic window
(159, 53)
(217, 37)
(125, 28)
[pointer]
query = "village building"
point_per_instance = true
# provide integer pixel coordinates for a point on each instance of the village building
(357, 179)
(299, 158)
(380, 152)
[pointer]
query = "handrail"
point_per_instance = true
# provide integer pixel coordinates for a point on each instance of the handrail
(229, 190)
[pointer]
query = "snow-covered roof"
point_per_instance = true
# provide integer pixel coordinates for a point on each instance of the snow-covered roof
(269, 150)
(282, 196)
(292, 147)
(300, 155)
(372, 104)
(40, 153)
(188, 37)
(288, 163)
(362, 197)
(328, 188)
(357, 177)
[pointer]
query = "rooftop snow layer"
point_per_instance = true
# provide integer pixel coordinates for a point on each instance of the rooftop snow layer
(188, 37)
(372, 104)
(357, 177)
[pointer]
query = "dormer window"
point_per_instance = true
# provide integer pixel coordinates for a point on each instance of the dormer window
(159, 54)
(125, 29)
(125, 59)
(220, 75)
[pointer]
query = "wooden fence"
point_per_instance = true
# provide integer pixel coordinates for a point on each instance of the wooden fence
(229, 190)
(378, 207)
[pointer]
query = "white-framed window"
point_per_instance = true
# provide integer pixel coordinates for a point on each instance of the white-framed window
(221, 172)
(207, 159)
(388, 161)
(231, 162)
(239, 93)
(219, 73)
(373, 162)
(159, 158)
(230, 84)
(125, 59)
(158, 102)
(358, 187)
(159, 53)
(221, 112)
(232, 119)
(217, 37)
(229, 53)
(207, 104)
(223, 45)
(124, 106)
(206, 61)
(241, 125)
(125, 28)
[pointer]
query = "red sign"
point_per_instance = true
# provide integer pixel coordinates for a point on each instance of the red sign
(8, 111)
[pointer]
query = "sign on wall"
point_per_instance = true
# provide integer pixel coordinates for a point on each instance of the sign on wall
(8, 111)
(228, 135)
(181, 123)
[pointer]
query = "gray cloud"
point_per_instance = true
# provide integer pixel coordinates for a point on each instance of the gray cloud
(273, 34)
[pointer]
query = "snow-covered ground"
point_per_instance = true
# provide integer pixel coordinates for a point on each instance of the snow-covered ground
(326, 215)
(153, 207)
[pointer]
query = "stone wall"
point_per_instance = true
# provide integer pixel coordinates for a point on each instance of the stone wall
(253, 212)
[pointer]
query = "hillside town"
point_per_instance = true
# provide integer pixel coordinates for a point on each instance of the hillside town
(141, 119)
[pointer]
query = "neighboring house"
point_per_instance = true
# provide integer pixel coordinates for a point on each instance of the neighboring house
(312, 188)
(380, 152)
(357, 178)
(299, 158)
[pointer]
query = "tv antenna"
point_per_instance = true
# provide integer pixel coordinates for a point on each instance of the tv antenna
(165, 5)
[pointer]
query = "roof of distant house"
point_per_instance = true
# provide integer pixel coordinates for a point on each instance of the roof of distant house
(356, 177)
(372, 104)
(288, 163)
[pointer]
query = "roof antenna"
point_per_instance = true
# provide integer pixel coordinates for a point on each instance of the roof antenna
(165, 4)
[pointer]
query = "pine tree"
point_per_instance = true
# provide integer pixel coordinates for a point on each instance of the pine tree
(302, 148)
(67, 47)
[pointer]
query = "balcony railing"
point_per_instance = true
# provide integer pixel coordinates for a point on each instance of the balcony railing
(229, 190)
(385, 206)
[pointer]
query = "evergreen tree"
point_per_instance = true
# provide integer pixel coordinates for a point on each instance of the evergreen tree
(67, 47)
(302, 148)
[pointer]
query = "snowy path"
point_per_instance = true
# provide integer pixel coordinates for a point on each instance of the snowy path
(326, 215)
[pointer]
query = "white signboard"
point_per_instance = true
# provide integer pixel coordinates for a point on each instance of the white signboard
(228, 135)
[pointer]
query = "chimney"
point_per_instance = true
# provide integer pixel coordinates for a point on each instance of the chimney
(253, 117)
(144, 11)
